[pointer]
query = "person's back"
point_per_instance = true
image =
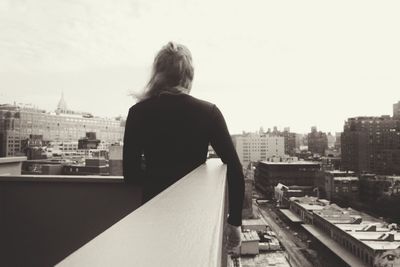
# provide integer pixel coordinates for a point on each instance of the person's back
(167, 134)
(175, 132)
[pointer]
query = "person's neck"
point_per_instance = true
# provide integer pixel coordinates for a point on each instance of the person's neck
(183, 89)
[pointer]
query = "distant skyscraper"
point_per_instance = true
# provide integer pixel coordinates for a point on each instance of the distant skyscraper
(18, 123)
(299, 140)
(253, 147)
(331, 140)
(338, 140)
(290, 141)
(396, 110)
(317, 141)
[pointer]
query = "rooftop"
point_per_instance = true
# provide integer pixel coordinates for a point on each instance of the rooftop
(339, 172)
(310, 202)
(372, 232)
(373, 236)
(325, 239)
(253, 222)
(347, 178)
(382, 245)
(300, 162)
(250, 236)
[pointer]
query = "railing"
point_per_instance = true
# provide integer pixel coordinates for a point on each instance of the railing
(45, 220)
(182, 226)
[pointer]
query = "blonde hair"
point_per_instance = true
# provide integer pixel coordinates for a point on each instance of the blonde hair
(172, 71)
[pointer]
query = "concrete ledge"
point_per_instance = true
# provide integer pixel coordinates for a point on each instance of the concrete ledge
(62, 178)
(182, 226)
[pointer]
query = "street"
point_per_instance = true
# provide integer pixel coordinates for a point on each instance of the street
(296, 257)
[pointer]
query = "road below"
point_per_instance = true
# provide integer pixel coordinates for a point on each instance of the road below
(296, 257)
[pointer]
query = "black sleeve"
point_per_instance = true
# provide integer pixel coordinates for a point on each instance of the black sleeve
(132, 151)
(222, 143)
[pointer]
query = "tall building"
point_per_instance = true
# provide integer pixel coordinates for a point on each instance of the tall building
(317, 141)
(338, 141)
(331, 140)
(396, 110)
(371, 144)
(18, 122)
(290, 141)
(299, 140)
(253, 147)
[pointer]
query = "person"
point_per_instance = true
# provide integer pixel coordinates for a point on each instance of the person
(168, 132)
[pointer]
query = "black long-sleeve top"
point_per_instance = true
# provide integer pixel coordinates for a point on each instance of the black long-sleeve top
(167, 136)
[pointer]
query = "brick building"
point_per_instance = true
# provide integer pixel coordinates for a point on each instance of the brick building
(371, 144)
(269, 174)
(317, 141)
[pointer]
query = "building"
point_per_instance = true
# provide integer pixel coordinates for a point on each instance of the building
(253, 147)
(359, 239)
(331, 139)
(371, 144)
(33, 147)
(336, 184)
(338, 141)
(270, 174)
(289, 141)
(396, 110)
(250, 243)
(342, 187)
(19, 122)
(61, 148)
(331, 162)
(257, 225)
(373, 187)
(317, 141)
(380, 195)
(115, 160)
(247, 211)
(299, 139)
(95, 166)
(89, 141)
(283, 193)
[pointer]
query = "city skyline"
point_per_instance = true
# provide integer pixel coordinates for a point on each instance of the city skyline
(263, 64)
(263, 128)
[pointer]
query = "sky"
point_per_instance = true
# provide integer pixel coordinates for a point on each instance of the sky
(264, 63)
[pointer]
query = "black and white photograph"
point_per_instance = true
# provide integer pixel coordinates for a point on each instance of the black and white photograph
(198, 133)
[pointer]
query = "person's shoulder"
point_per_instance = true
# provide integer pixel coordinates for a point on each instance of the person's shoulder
(193, 102)
(141, 104)
(200, 102)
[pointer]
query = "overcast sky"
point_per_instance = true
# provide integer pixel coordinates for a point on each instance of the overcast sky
(264, 63)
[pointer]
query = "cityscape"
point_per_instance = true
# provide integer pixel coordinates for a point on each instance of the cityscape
(314, 199)
(199, 133)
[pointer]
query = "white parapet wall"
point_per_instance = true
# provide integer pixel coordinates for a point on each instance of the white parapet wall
(182, 226)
